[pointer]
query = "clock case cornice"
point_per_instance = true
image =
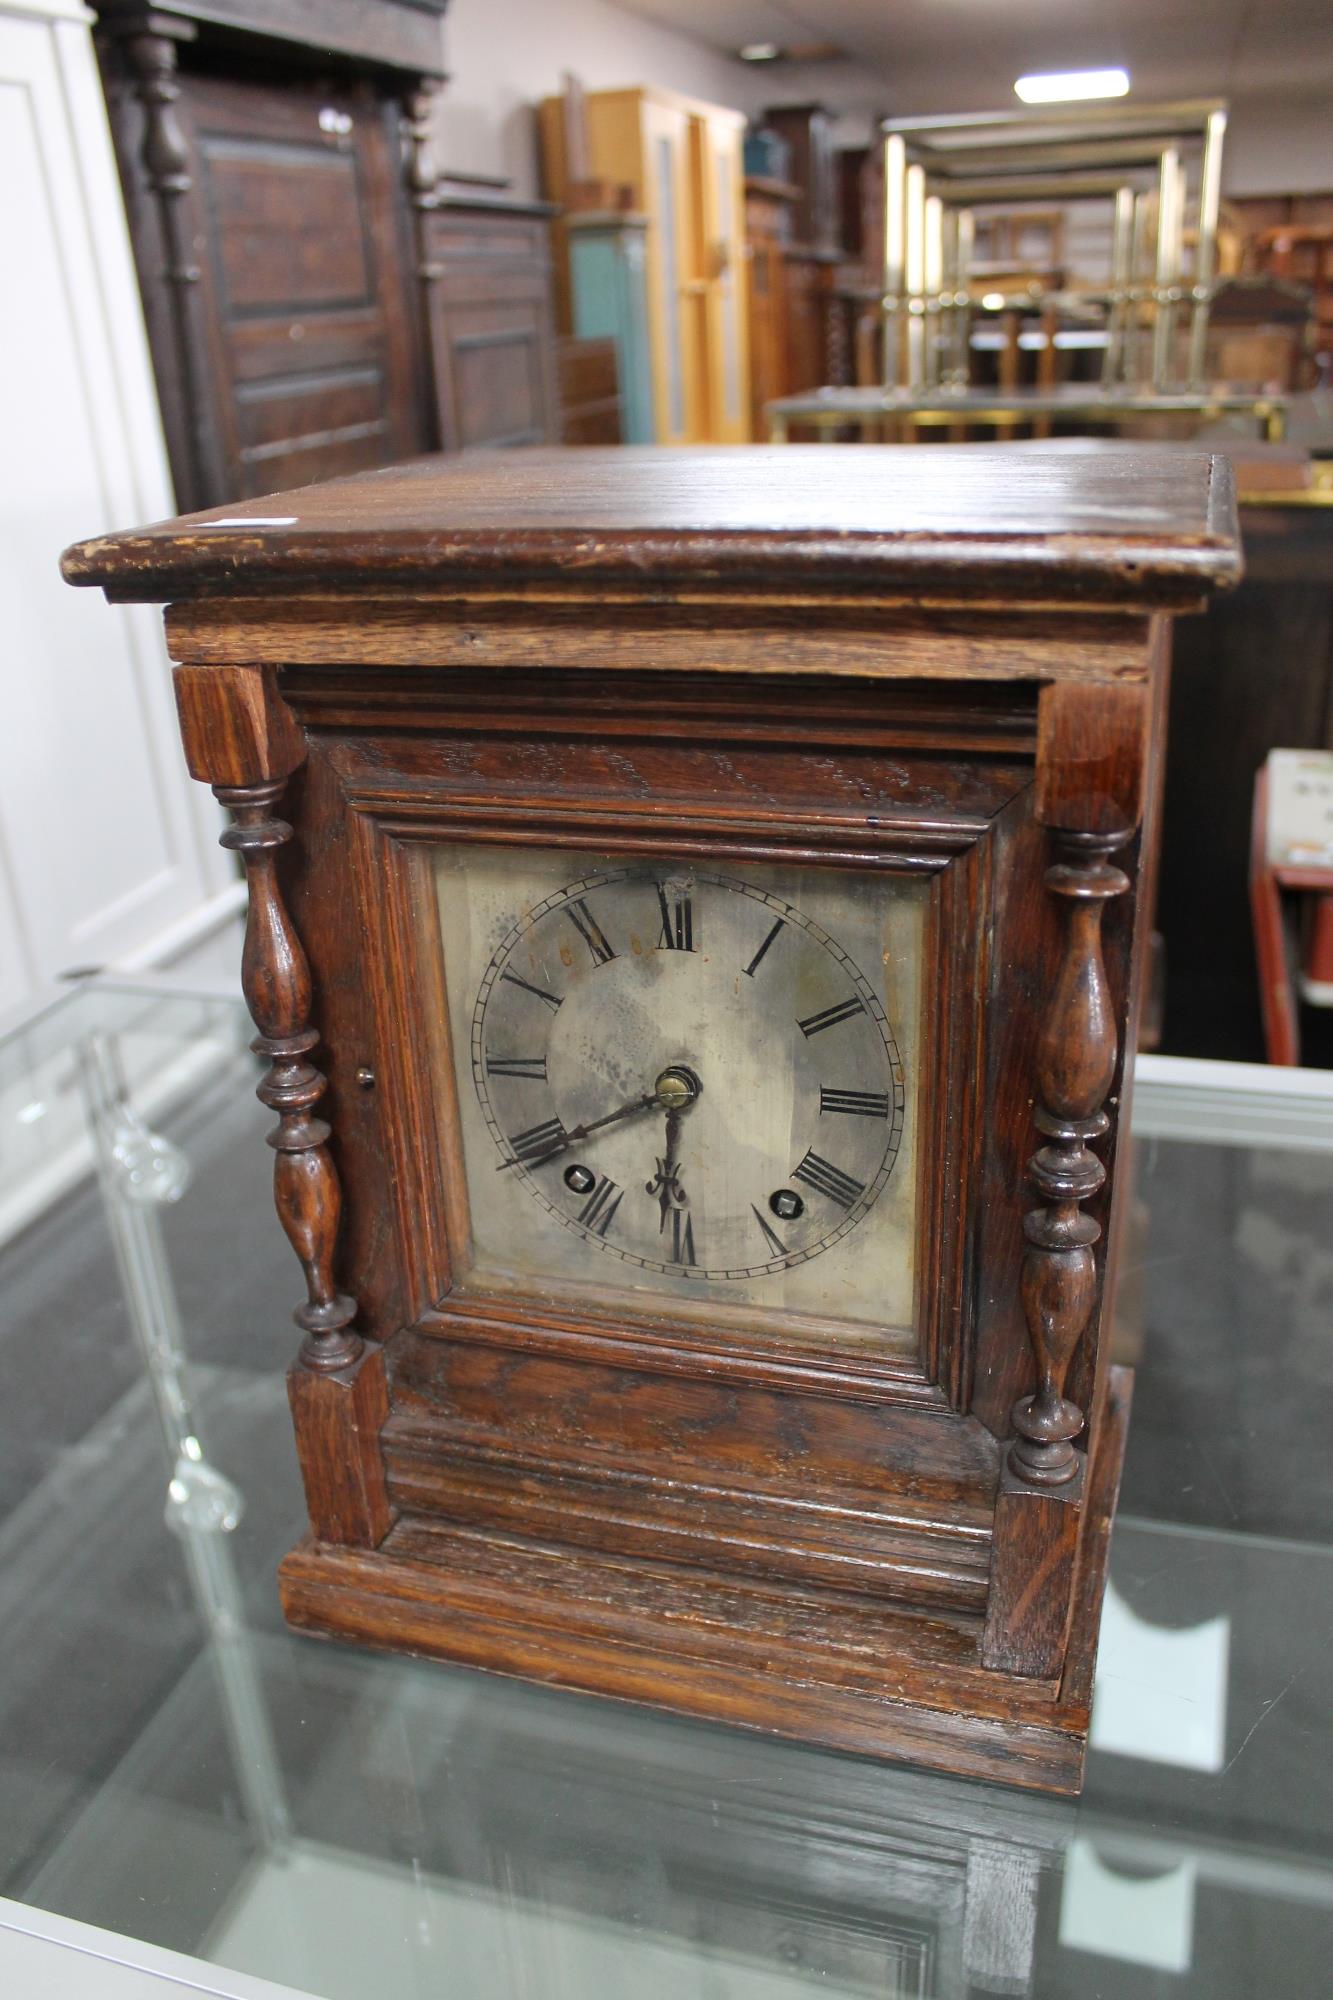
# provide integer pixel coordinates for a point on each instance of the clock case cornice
(873, 523)
(1000, 746)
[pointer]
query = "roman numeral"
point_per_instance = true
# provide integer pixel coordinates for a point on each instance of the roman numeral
(857, 1103)
(827, 1180)
(829, 1017)
(532, 1066)
(539, 1142)
(598, 1211)
(682, 1237)
(775, 1242)
(588, 928)
(552, 1000)
(758, 958)
(677, 922)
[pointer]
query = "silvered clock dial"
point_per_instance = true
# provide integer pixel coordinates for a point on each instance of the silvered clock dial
(699, 1078)
(691, 1078)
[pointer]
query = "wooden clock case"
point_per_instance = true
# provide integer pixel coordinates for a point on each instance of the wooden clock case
(944, 664)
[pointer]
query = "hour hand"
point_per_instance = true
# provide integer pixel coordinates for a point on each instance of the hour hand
(675, 1091)
(543, 1142)
(666, 1182)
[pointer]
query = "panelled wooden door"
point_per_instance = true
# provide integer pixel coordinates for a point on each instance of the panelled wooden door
(721, 204)
(302, 277)
(490, 324)
(672, 274)
(680, 159)
(696, 272)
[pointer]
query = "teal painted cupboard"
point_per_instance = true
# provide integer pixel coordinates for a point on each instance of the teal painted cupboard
(608, 299)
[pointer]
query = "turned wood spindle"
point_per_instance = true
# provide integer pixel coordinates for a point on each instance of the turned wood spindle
(1076, 1061)
(421, 171)
(276, 981)
(165, 155)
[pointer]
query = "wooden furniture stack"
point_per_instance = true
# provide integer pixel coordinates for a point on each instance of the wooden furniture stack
(1291, 895)
(591, 409)
(487, 282)
(679, 160)
(768, 224)
(615, 829)
(812, 251)
(1296, 246)
(857, 290)
(604, 296)
(317, 301)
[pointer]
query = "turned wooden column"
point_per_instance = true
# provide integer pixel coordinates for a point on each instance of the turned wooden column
(241, 738)
(421, 169)
(1076, 1063)
(1089, 793)
(275, 979)
(149, 44)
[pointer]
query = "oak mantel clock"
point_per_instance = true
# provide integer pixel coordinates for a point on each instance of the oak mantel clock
(695, 937)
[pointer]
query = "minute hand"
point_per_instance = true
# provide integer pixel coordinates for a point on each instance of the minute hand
(575, 1132)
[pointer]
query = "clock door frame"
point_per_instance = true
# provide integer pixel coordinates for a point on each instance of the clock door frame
(378, 795)
(394, 854)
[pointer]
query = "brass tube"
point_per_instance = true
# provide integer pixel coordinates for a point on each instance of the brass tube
(915, 262)
(1122, 266)
(1205, 254)
(895, 220)
(932, 273)
(1167, 272)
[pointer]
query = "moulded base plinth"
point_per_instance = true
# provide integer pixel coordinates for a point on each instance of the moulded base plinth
(829, 1667)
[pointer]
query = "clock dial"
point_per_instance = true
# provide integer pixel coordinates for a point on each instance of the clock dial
(687, 1072)
(687, 1079)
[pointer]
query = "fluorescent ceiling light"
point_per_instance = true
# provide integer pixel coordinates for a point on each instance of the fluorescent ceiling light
(1066, 86)
(759, 52)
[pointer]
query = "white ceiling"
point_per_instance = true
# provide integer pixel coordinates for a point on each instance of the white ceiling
(963, 55)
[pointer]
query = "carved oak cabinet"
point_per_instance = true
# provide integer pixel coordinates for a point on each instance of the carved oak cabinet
(695, 937)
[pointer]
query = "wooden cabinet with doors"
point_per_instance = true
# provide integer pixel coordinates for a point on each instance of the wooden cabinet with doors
(808, 132)
(680, 161)
(768, 206)
(261, 154)
(490, 323)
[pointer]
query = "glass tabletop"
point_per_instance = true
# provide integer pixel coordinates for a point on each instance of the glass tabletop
(178, 1768)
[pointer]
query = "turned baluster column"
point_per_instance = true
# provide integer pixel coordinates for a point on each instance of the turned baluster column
(242, 739)
(150, 44)
(421, 171)
(276, 981)
(1076, 1061)
(1091, 761)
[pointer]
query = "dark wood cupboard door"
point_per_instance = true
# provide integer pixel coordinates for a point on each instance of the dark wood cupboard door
(304, 365)
(765, 209)
(807, 284)
(491, 323)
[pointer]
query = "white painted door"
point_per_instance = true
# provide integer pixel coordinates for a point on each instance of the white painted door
(106, 846)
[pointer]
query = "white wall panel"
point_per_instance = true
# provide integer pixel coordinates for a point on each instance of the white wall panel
(104, 840)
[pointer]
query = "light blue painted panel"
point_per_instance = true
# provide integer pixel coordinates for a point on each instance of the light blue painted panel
(608, 286)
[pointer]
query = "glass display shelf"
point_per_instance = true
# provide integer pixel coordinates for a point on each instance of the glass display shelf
(180, 1772)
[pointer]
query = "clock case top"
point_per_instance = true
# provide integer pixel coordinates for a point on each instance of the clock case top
(942, 663)
(1144, 529)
